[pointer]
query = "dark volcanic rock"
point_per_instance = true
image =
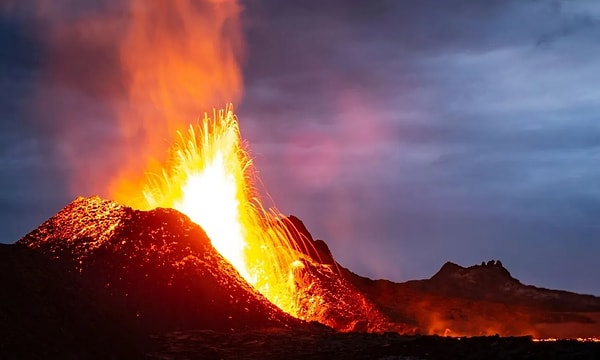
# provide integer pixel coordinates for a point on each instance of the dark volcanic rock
(156, 267)
(46, 312)
(325, 295)
(482, 300)
(492, 281)
(327, 344)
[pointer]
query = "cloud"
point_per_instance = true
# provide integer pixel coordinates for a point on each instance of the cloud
(484, 141)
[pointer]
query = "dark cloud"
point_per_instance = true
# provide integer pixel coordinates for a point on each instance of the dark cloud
(573, 22)
(483, 143)
(39, 108)
(20, 49)
(30, 183)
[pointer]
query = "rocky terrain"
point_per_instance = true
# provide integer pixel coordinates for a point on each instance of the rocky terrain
(46, 312)
(150, 284)
(156, 267)
(328, 344)
(478, 300)
(161, 269)
(483, 300)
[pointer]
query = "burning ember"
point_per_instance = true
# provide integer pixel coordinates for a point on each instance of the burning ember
(209, 176)
(589, 339)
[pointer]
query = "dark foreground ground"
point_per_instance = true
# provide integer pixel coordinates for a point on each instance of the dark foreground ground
(325, 344)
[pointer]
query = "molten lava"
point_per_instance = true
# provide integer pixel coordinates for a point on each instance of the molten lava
(209, 177)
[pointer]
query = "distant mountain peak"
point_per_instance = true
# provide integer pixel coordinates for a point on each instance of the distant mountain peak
(491, 271)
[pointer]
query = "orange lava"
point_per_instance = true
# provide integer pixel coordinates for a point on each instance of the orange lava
(591, 339)
(209, 177)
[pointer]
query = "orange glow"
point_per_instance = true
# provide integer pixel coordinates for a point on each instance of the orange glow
(209, 177)
(589, 339)
(206, 181)
(179, 58)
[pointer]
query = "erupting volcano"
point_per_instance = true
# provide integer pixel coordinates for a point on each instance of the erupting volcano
(176, 251)
(209, 177)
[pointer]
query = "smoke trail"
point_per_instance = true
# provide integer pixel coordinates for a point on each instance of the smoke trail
(117, 79)
(182, 59)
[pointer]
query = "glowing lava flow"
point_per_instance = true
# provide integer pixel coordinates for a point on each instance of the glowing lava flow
(209, 177)
(588, 339)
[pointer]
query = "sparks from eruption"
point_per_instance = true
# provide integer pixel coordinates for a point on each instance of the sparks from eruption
(579, 339)
(209, 176)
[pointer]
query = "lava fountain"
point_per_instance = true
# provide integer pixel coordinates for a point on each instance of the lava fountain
(175, 60)
(209, 176)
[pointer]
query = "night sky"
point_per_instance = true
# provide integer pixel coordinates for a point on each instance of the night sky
(403, 133)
